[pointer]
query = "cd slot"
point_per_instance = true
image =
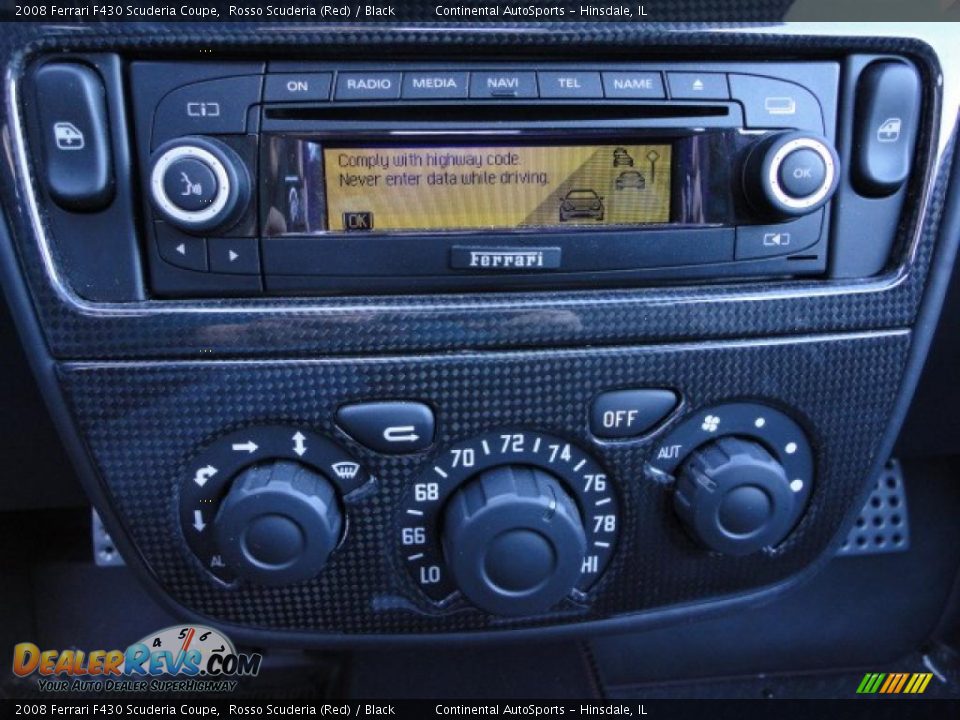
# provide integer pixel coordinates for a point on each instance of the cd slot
(499, 112)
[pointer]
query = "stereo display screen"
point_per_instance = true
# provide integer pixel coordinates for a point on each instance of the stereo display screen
(480, 187)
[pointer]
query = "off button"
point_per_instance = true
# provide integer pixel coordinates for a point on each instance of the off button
(629, 413)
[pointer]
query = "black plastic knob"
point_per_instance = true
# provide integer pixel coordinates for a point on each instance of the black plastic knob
(278, 523)
(790, 174)
(198, 184)
(513, 540)
(734, 497)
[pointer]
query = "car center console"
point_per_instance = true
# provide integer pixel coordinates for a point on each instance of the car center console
(445, 343)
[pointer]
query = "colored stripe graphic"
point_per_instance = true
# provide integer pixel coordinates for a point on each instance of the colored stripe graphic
(894, 683)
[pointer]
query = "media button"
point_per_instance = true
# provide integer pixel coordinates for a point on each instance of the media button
(297, 87)
(434, 85)
(570, 85)
(503, 85)
(368, 86)
(633, 85)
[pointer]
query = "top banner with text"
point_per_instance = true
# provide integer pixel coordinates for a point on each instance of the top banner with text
(478, 11)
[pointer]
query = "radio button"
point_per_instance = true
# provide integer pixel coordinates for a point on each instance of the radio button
(297, 87)
(438, 85)
(368, 86)
(769, 103)
(633, 85)
(698, 86)
(570, 85)
(503, 85)
(236, 256)
(760, 241)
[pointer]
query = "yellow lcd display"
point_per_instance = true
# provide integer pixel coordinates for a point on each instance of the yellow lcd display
(464, 188)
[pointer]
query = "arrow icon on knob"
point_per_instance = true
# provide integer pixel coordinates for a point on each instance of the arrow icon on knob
(298, 447)
(204, 474)
(198, 522)
(249, 446)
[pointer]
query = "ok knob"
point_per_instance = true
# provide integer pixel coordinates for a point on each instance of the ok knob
(790, 173)
(735, 497)
(513, 540)
(278, 523)
(198, 184)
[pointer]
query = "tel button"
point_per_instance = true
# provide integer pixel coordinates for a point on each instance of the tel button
(570, 85)
(388, 427)
(628, 413)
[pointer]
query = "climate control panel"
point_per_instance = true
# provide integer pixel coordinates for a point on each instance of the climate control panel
(514, 522)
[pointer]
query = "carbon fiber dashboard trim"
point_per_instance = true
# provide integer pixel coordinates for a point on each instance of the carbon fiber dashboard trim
(304, 327)
(144, 422)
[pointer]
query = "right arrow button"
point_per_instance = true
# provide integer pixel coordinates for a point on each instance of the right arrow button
(239, 256)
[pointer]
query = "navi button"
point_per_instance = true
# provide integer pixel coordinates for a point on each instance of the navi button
(503, 85)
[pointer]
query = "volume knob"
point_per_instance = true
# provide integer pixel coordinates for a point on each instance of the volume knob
(198, 184)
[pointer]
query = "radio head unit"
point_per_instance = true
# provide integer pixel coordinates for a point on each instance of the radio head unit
(362, 188)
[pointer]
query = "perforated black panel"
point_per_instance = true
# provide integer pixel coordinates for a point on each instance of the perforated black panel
(145, 422)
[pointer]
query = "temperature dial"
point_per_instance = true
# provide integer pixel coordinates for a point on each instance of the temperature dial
(514, 521)
(514, 540)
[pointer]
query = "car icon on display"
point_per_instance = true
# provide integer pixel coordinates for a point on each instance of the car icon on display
(630, 179)
(621, 158)
(581, 204)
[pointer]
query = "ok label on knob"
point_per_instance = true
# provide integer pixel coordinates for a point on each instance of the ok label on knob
(422, 515)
